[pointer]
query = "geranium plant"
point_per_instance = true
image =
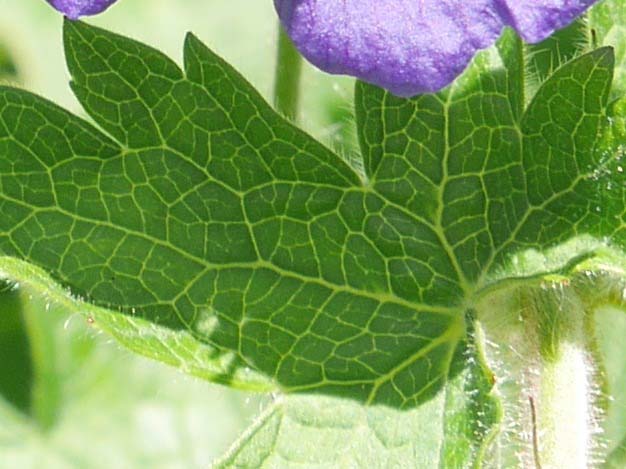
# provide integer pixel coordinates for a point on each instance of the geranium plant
(430, 304)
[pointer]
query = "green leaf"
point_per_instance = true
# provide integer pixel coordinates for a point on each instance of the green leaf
(223, 247)
(179, 349)
(558, 49)
(242, 250)
(603, 25)
(331, 432)
(607, 26)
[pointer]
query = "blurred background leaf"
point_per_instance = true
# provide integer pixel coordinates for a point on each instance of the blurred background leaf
(8, 70)
(93, 405)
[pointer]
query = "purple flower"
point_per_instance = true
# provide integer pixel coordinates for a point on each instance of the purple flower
(74, 9)
(413, 46)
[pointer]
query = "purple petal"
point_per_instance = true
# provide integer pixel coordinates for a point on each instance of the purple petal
(74, 9)
(413, 46)
(535, 20)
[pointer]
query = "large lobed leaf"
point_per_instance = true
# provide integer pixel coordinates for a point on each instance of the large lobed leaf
(214, 223)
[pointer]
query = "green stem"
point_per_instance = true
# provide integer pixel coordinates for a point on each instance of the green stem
(28, 374)
(45, 393)
(565, 394)
(539, 343)
(16, 373)
(287, 79)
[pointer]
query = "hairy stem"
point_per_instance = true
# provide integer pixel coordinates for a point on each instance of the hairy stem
(565, 409)
(287, 78)
(539, 343)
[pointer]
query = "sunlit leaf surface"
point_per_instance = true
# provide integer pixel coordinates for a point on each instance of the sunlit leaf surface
(242, 250)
